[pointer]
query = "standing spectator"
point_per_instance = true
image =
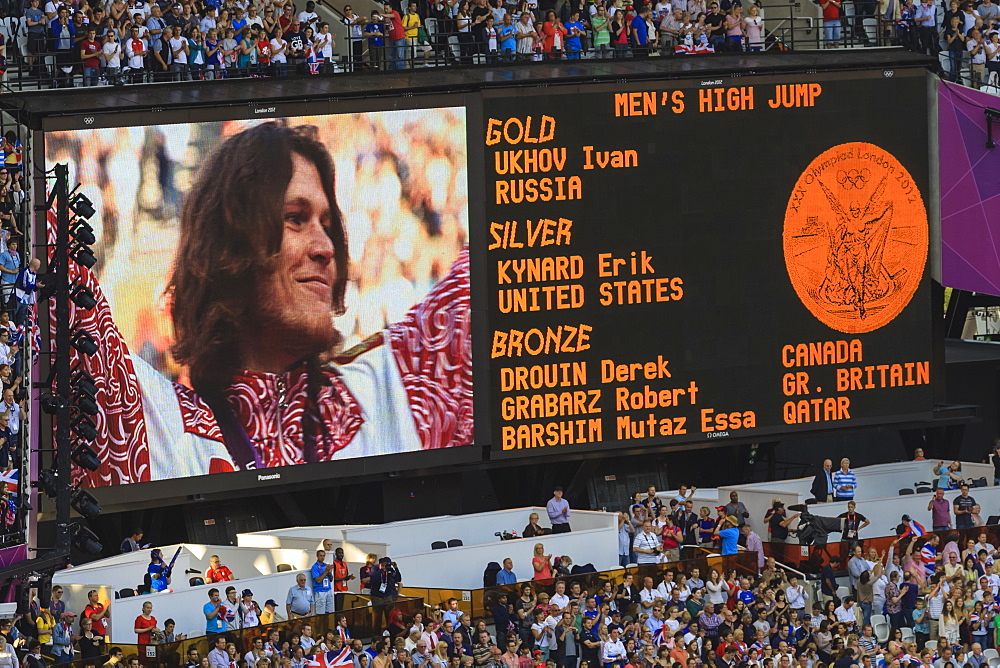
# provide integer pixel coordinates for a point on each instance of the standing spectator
(97, 612)
(925, 19)
(854, 522)
(647, 545)
(322, 584)
(963, 506)
(894, 602)
(179, 51)
(385, 581)
(215, 612)
(145, 624)
(672, 536)
(640, 35)
(90, 50)
(506, 574)
(341, 577)
(217, 571)
(845, 483)
(857, 565)
(63, 32)
(828, 582)
(728, 532)
(396, 37)
(558, 511)
(135, 54)
(796, 594)
(62, 639)
(736, 509)
(131, 544)
(754, 544)
(950, 477)
(831, 22)
(778, 521)
(752, 26)
(35, 21)
(248, 609)
(111, 54)
(940, 511)
(625, 534)
(299, 602)
(10, 266)
(541, 563)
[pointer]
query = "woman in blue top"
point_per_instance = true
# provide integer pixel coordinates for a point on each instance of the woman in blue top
(213, 53)
(196, 57)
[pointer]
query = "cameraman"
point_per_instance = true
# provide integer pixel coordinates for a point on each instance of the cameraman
(647, 545)
(384, 583)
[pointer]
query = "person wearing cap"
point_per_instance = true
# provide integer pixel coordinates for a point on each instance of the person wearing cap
(778, 521)
(728, 533)
(62, 639)
(270, 614)
(322, 584)
(249, 610)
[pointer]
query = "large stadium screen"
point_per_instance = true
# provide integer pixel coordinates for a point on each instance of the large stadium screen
(275, 292)
(685, 261)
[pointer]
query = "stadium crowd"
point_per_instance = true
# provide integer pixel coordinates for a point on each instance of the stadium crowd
(88, 42)
(930, 599)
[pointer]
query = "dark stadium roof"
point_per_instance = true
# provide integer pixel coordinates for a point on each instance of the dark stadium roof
(46, 103)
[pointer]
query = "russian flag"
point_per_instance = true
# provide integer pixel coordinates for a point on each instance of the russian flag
(333, 659)
(913, 528)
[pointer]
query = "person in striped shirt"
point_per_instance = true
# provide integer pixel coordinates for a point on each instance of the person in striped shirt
(845, 483)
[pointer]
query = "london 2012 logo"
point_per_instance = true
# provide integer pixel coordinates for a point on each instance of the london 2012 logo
(855, 237)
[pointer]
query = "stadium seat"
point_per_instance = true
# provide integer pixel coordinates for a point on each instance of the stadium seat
(908, 635)
(126, 593)
(282, 568)
(930, 644)
(993, 519)
(196, 582)
(991, 654)
(455, 542)
(905, 490)
(439, 545)
(924, 490)
(879, 619)
(882, 632)
(843, 592)
(994, 663)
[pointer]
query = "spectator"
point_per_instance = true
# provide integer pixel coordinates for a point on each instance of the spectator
(322, 584)
(940, 511)
(625, 535)
(963, 507)
(169, 632)
(215, 612)
(145, 624)
(950, 477)
(558, 511)
(506, 574)
(778, 521)
(385, 580)
(270, 614)
(822, 485)
(248, 610)
(97, 612)
(647, 545)
(115, 658)
(62, 639)
(219, 656)
(34, 657)
(845, 482)
(736, 509)
(753, 543)
(217, 571)
(541, 563)
(728, 532)
(299, 602)
(854, 522)
(533, 529)
(131, 544)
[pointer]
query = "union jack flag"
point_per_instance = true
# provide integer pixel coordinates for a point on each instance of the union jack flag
(696, 48)
(333, 659)
(10, 476)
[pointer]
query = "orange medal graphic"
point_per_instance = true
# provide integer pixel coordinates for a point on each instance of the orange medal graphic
(855, 237)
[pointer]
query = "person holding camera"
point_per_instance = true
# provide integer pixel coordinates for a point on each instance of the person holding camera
(384, 583)
(567, 641)
(647, 545)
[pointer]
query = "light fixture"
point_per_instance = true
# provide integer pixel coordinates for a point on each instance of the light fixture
(85, 457)
(84, 428)
(51, 403)
(86, 405)
(48, 482)
(83, 256)
(83, 383)
(84, 503)
(83, 297)
(84, 342)
(83, 233)
(86, 540)
(82, 206)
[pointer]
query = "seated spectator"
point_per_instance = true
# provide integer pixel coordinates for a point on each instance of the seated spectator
(217, 571)
(533, 529)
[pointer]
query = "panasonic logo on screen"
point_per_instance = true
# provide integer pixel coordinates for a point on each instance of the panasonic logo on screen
(269, 476)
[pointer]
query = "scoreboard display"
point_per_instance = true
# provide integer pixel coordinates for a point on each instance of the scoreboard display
(693, 260)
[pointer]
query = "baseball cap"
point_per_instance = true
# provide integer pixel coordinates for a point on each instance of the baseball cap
(906, 518)
(270, 601)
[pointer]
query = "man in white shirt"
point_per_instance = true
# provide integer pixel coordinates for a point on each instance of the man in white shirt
(219, 657)
(135, 53)
(559, 598)
(647, 545)
(7, 351)
(846, 614)
(613, 649)
(208, 21)
(309, 17)
(649, 597)
(13, 412)
(985, 544)
(993, 579)
(306, 639)
(665, 588)
(253, 18)
(796, 594)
